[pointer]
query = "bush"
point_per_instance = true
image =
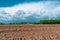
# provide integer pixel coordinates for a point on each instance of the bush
(1, 23)
(50, 21)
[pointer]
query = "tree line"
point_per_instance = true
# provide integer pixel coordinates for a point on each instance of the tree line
(40, 22)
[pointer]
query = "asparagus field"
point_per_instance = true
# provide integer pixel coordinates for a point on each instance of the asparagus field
(30, 32)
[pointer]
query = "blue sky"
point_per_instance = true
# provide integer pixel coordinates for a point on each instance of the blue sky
(28, 10)
(7, 3)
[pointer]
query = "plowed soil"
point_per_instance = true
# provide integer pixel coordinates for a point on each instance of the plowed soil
(30, 32)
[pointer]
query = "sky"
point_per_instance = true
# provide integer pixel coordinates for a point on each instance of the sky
(8, 3)
(28, 10)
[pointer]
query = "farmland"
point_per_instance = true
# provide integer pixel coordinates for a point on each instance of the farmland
(30, 32)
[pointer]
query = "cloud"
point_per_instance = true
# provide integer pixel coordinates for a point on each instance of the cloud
(34, 11)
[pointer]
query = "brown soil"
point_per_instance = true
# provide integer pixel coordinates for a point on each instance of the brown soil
(30, 32)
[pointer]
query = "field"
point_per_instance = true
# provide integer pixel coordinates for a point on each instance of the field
(30, 32)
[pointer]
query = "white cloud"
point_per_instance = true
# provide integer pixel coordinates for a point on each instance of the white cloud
(49, 9)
